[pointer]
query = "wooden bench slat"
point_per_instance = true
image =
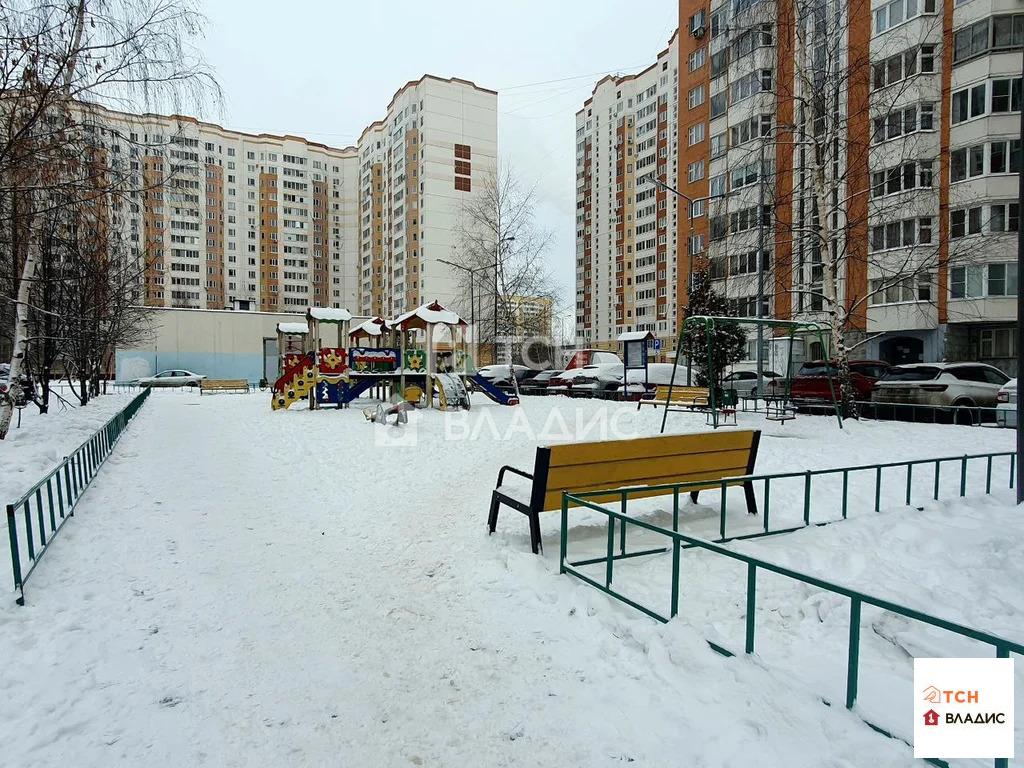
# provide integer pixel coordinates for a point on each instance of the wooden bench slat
(648, 447)
(553, 499)
(222, 385)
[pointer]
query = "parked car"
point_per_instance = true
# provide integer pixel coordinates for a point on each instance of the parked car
(941, 385)
(810, 387)
(172, 378)
(597, 380)
(500, 376)
(1006, 405)
(658, 375)
(581, 357)
(27, 392)
(538, 384)
(746, 384)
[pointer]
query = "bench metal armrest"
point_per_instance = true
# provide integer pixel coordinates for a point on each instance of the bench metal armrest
(501, 474)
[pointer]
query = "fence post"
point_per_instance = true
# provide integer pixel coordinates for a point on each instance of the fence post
(622, 532)
(565, 532)
(49, 497)
(41, 518)
(988, 475)
(751, 604)
(938, 466)
(611, 547)
(807, 498)
(878, 489)
(767, 497)
(854, 656)
(910, 480)
(721, 510)
(963, 476)
(674, 609)
(846, 492)
(12, 530)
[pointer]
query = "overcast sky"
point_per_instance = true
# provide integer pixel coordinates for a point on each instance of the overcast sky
(324, 69)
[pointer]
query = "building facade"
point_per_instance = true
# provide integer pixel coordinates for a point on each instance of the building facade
(229, 220)
(909, 110)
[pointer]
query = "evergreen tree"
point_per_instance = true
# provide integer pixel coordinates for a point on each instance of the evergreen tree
(729, 340)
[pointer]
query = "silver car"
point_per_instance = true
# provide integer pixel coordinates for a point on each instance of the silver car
(172, 378)
(746, 383)
(941, 385)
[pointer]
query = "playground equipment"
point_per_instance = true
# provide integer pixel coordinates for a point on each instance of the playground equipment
(778, 411)
(420, 356)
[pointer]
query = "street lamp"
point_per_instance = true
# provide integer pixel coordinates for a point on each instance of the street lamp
(497, 262)
(651, 178)
(760, 252)
(472, 303)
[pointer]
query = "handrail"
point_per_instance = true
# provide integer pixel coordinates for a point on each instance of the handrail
(64, 486)
(680, 541)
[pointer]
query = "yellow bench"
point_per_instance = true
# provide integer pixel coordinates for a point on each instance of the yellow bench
(617, 464)
(690, 397)
(223, 385)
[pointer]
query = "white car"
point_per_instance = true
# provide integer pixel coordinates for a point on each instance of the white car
(658, 375)
(1006, 405)
(172, 378)
(746, 384)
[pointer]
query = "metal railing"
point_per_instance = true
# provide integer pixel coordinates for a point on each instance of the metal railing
(48, 504)
(619, 520)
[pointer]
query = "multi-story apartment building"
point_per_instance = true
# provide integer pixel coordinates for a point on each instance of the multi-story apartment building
(225, 219)
(916, 103)
(626, 265)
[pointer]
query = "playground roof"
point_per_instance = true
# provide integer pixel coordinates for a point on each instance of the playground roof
(375, 326)
(328, 314)
(428, 314)
(293, 329)
(636, 336)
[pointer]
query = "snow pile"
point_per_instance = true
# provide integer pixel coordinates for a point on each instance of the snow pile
(29, 453)
(248, 587)
(329, 314)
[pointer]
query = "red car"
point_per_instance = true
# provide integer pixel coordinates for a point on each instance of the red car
(810, 385)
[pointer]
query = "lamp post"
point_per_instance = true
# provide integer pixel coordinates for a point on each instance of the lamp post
(472, 304)
(760, 251)
(497, 263)
(1020, 322)
(689, 241)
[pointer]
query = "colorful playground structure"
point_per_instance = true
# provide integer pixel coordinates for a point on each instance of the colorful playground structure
(421, 357)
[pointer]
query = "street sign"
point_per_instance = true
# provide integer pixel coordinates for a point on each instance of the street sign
(657, 345)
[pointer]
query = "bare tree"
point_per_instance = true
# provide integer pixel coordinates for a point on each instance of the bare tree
(58, 60)
(497, 237)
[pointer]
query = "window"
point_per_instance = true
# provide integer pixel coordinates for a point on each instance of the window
(916, 175)
(1004, 217)
(697, 23)
(696, 134)
(966, 282)
(698, 59)
(1002, 280)
(995, 33)
(463, 152)
(718, 145)
(900, 290)
(1006, 95)
(751, 129)
(696, 97)
(719, 23)
(717, 185)
(719, 62)
(462, 184)
(900, 234)
(745, 175)
(748, 41)
(695, 171)
(748, 85)
(902, 66)
(996, 342)
(898, 11)
(718, 104)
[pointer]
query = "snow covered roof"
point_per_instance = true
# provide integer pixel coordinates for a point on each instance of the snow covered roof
(292, 329)
(375, 326)
(428, 314)
(329, 314)
(636, 336)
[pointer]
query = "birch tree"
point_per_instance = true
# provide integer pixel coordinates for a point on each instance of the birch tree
(59, 60)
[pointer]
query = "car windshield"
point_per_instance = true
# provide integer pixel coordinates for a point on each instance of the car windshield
(924, 373)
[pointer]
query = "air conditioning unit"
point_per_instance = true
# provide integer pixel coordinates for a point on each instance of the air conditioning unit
(698, 32)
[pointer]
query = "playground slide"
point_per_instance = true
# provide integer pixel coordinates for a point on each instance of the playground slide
(452, 391)
(501, 398)
(355, 390)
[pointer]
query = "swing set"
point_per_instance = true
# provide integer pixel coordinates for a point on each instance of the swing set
(697, 322)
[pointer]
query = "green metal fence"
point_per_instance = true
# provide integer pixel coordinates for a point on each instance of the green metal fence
(619, 520)
(48, 504)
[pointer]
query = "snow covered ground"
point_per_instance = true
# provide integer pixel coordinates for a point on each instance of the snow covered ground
(242, 587)
(42, 441)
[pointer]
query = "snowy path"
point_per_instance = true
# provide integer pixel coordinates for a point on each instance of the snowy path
(245, 588)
